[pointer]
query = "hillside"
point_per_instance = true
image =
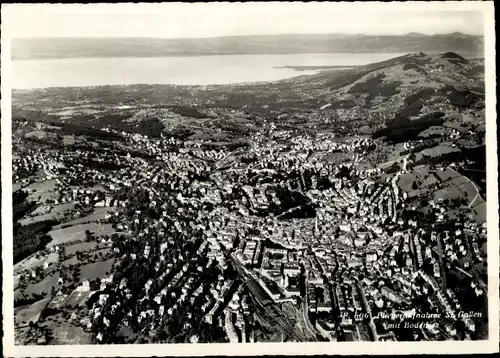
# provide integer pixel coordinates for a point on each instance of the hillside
(263, 44)
(416, 98)
(394, 94)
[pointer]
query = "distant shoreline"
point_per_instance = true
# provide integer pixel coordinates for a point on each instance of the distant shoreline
(326, 67)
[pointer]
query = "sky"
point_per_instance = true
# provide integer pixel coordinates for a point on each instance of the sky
(185, 20)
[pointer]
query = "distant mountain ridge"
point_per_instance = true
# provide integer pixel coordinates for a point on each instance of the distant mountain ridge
(231, 45)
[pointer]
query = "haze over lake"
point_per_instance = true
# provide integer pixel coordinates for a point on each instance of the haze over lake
(194, 70)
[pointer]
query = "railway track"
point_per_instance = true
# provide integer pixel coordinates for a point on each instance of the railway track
(266, 307)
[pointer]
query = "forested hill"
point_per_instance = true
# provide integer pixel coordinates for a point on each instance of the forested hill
(257, 44)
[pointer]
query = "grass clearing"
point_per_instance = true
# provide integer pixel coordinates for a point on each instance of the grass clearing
(479, 211)
(57, 301)
(421, 170)
(56, 212)
(36, 134)
(389, 163)
(460, 186)
(126, 332)
(71, 261)
(33, 261)
(83, 246)
(435, 152)
(448, 193)
(41, 191)
(77, 232)
(337, 157)
(66, 333)
(465, 185)
(445, 174)
(434, 131)
(22, 315)
(98, 214)
(44, 286)
(96, 269)
(406, 182)
(77, 298)
(418, 193)
(455, 125)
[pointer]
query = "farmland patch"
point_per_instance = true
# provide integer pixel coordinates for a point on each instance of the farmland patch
(33, 261)
(77, 232)
(83, 246)
(56, 213)
(407, 182)
(98, 214)
(42, 190)
(96, 269)
(77, 298)
(44, 286)
(66, 333)
(24, 314)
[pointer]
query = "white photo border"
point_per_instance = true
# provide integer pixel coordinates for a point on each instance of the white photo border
(247, 349)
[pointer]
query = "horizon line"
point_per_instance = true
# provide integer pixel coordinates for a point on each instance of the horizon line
(414, 33)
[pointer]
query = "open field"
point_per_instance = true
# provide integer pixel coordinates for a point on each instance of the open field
(479, 210)
(96, 269)
(434, 131)
(421, 171)
(77, 298)
(56, 212)
(69, 111)
(406, 181)
(335, 157)
(459, 186)
(43, 286)
(66, 333)
(32, 261)
(448, 193)
(435, 152)
(36, 134)
(83, 246)
(450, 177)
(22, 315)
(16, 187)
(77, 232)
(98, 214)
(387, 164)
(41, 210)
(454, 186)
(126, 332)
(445, 174)
(430, 180)
(71, 261)
(57, 301)
(41, 191)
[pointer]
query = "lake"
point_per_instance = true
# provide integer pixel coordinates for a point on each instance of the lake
(195, 70)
